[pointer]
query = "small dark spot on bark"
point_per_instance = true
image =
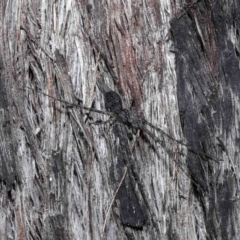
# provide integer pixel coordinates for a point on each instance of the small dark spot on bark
(89, 8)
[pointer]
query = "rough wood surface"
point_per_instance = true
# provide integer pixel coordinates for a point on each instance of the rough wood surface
(175, 64)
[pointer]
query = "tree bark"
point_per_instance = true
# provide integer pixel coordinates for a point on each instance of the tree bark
(174, 64)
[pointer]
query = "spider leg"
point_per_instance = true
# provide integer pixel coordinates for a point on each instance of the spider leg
(157, 140)
(199, 153)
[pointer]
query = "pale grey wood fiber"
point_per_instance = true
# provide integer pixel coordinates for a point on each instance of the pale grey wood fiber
(55, 166)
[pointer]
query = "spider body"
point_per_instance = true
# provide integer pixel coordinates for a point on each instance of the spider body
(113, 102)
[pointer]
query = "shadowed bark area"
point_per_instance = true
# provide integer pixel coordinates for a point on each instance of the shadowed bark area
(208, 96)
(70, 173)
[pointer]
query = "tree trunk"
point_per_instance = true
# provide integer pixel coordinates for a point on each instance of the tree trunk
(174, 64)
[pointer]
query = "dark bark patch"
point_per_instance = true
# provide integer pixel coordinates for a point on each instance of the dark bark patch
(58, 164)
(226, 206)
(55, 229)
(207, 86)
(133, 212)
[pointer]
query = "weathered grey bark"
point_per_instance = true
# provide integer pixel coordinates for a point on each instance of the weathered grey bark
(176, 64)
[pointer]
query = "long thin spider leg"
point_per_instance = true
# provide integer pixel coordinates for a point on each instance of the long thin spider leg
(72, 104)
(182, 143)
(166, 134)
(178, 164)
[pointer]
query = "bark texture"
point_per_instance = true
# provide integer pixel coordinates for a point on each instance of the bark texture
(175, 64)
